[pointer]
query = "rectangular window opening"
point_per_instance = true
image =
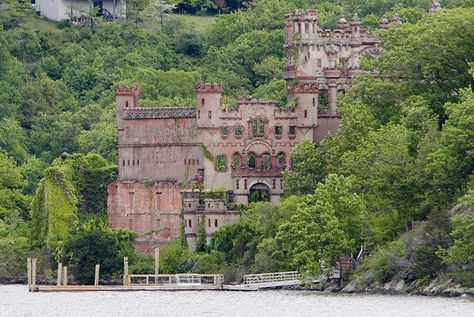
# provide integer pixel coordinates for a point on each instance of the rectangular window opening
(292, 130)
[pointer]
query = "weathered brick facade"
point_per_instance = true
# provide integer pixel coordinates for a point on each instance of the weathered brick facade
(172, 160)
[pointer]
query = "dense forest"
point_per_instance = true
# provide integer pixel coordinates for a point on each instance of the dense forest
(404, 153)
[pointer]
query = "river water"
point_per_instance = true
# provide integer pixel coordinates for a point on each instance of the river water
(16, 301)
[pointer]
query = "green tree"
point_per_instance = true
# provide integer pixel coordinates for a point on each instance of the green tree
(95, 243)
(306, 170)
(460, 256)
(201, 243)
(326, 225)
(385, 171)
(439, 75)
(450, 166)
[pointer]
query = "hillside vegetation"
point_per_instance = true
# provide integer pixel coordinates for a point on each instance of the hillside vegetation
(404, 152)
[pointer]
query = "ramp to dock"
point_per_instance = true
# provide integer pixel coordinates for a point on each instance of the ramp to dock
(254, 282)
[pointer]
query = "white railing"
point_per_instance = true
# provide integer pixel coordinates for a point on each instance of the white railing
(252, 279)
(177, 279)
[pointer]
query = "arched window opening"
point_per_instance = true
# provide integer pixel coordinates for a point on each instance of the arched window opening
(239, 130)
(282, 160)
(278, 130)
(258, 127)
(266, 162)
(225, 130)
(221, 163)
(236, 160)
(126, 104)
(251, 161)
(259, 192)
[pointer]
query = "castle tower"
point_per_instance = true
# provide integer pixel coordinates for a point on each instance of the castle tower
(307, 95)
(301, 33)
(125, 98)
(208, 104)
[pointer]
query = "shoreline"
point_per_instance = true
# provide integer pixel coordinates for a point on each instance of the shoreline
(448, 292)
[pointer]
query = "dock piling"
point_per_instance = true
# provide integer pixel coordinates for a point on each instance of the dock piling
(96, 280)
(157, 264)
(64, 275)
(33, 272)
(125, 271)
(60, 272)
(28, 266)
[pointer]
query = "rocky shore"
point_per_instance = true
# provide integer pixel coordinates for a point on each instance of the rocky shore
(437, 287)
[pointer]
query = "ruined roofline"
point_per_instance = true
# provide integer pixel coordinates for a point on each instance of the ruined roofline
(303, 88)
(159, 113)
(249, 100)
(127, 91)
(209, 88)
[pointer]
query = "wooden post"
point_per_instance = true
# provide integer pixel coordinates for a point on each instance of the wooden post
(96, 280)
(157, 264)
(64, 275)
(60, 272)
(33, 272)
(28, 269)
(125, 271)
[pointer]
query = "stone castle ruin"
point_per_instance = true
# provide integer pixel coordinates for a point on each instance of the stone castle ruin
(191, 166)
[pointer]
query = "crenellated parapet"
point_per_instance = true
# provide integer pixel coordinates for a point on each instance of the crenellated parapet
(303, 88)
(125, 91)
(159, 113)
(308, 15)
(209, 88)
(252, 101)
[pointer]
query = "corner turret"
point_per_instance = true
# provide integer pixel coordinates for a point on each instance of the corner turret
(306, 95)
(125, 98)
(208, 104)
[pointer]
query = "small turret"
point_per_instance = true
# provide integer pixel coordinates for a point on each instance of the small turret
(208, 104)
(396, 20)
(125, 98)
(307, 95)
(435, 7)
(342, 24)
(301, 25)
(383, 23)
(355, 26)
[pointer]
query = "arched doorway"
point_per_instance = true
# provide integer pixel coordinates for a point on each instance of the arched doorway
(259, 192)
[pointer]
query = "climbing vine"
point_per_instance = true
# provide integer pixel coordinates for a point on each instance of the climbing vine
(207, 154)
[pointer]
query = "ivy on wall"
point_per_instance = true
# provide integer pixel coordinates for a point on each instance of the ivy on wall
(207, 154)
(221, 163)
(78, 183)
(54, 208)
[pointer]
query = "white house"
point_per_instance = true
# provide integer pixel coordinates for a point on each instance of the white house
(64, 9)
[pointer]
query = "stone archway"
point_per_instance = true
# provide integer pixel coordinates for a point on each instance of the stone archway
(259, 192)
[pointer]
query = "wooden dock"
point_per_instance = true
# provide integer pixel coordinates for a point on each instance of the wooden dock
(163, 282)
(120, 288)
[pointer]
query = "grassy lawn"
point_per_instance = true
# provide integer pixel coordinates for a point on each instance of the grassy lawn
(200, 23)
(42, 24)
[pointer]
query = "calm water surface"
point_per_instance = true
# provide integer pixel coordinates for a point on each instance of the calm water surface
(16, 301)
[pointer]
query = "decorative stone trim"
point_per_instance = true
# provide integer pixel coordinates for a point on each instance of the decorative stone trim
(303, 88)
(125, 91)
(209, 88)
(159, 113)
